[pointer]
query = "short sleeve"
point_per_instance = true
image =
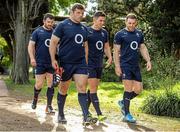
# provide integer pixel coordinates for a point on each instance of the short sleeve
(58, 31)
(86, 33)
(117, 38)
(34, 36)
(106, 36)
(142, 38)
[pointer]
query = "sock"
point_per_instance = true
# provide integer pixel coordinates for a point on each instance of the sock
(95, 102)
(49, 94)
(126, 99)
(89, 99)
(61, 99)
(133, 95)
(83, 101)
(36, 93)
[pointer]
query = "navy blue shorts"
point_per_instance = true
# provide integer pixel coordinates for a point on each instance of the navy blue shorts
(95, 72)
(43, 68)
(131, 73)
(71, 69)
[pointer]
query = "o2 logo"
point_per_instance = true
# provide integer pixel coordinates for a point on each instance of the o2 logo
(78, 38)
(134, 45)
(99, 45)
(47, 42)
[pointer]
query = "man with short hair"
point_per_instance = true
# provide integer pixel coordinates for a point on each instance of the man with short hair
(38, 50)
(98, 44)
(73, 50)
(127, 43)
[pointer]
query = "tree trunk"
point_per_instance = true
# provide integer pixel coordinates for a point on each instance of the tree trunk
(20, 73)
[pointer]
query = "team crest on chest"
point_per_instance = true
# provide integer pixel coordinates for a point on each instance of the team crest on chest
(69, 23)
(102, 34)
(137, 34)
(42, 31)
(82, 27)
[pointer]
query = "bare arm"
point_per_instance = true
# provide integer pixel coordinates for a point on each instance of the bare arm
(52, 50)
(31, 51)
(145, 54)
(107, 52)
(86, 51)
(116, 55)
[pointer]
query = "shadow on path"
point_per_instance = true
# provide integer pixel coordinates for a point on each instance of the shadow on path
(12, 121)
(137, 127)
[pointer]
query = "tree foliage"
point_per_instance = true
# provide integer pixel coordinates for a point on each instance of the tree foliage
(56, 5)
(159, 19)
(19, 19)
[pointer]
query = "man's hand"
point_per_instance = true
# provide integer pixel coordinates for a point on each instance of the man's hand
(33, 62)
(148, 66)
(118, 71)
(55, 64)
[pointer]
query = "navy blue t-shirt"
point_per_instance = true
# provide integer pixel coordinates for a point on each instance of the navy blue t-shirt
(42, 37)
(72, 37)
(129, 42)
(96, 42)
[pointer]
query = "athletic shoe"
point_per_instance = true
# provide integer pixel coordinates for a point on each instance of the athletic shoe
(102, 117)
(121, 105)
(62, 119)
(90, 114)
(129, 118)
(89, 121)
(34, 103)
(49, 110)
(94, 119)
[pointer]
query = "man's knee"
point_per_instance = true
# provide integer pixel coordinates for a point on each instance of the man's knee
(38, 85)
(81, 88)
(138, 90)
(63, 91)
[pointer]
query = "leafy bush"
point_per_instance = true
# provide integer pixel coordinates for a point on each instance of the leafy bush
(109, 75)
(163, 104)
(163, 68)
(5, 52)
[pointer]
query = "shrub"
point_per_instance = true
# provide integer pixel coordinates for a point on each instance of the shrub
(109, 75)
(163, 104)
(163, 68)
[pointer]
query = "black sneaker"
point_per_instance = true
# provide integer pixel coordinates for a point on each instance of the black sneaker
(49, 110)
(34, 103)
(62, 119)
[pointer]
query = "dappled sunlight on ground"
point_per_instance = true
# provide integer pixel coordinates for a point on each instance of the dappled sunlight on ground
(74, 118)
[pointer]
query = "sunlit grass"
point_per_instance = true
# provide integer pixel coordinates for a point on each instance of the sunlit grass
(109, 93)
